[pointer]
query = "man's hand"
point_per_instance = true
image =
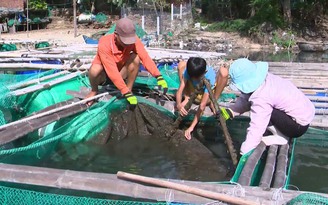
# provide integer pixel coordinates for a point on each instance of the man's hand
(226, 113)
(162, 84)
(132, 100)
(91, 94)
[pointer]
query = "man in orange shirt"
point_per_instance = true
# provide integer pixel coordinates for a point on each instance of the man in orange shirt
(118, 58)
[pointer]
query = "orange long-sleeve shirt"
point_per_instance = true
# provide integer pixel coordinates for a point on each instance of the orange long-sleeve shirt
(113, 59)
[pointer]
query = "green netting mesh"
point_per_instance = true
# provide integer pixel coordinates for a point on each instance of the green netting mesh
(139, 31)
(13, 196)
(309, 199)
(8, 47)
(101, 18)
(36, 20)
(44, 44)
(9, 103)
(11, 22)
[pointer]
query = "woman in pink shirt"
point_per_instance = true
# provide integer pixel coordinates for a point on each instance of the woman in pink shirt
(276, 105)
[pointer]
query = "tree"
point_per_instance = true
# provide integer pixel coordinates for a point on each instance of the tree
(37, 4)
(287, 12)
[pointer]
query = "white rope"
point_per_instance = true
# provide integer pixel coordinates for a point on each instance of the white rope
(238, 190)
(169, 196)
(215, 202)
(290, 185)
(277, 196)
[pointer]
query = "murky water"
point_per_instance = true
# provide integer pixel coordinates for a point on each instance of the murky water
(145, 155)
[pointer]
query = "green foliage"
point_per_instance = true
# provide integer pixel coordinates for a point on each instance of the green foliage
(229, 26)
(285, 40)
(266, 11)
(37, 4)
(123, 2)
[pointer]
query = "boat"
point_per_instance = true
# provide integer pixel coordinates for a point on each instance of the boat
(89, 40)
(311, 46)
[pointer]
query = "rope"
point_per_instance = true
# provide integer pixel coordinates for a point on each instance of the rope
(169, 196)
(278, 196)
(43, 142)
(291, 185)
(238, 190)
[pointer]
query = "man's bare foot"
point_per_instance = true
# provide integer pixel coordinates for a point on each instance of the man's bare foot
(91, 94)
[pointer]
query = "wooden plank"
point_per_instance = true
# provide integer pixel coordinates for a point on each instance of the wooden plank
(299, 65)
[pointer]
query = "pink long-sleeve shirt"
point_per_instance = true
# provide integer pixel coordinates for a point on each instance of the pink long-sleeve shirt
(275, 92)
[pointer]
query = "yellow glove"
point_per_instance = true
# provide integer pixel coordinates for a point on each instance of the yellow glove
(226, 113)
(162, 84)
(132, 100)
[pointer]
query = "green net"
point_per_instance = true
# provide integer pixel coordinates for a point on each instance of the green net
(8, 47)
(11, 22)
(101, 18)
(43, 44)
(12, 196)
(309, 199)
(36, 20)
(139, 31)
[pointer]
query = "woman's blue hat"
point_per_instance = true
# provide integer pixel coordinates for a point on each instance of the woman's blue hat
(246, 75)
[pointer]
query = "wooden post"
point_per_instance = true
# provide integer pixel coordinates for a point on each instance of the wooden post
(172, 13)
(27, 29)
(158, 25)
(223, 124)
(143, 22)
(74, 18)
(181, 11)
(185, 188)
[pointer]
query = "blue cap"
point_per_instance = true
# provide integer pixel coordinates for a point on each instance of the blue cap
(246, 75)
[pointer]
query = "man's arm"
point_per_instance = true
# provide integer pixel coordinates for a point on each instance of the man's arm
(107, 59)
(145, 59)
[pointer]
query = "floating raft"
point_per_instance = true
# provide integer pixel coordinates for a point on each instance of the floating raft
(111, 184)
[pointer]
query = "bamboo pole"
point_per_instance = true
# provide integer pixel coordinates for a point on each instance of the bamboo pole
(246, 174)
(5, 126)
(223, 124)
(24, 66)
(74, 18)
(269, 168)
(34, 81)
(110, 184)
(185, 188)
(17, 131)
(46, 84)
